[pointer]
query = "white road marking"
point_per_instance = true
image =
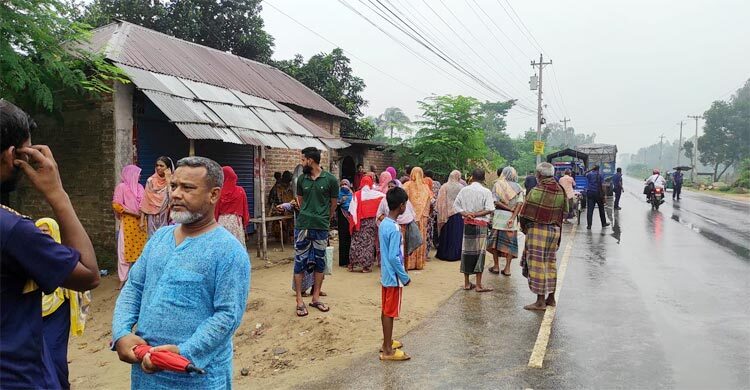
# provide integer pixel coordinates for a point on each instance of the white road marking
(542, 339)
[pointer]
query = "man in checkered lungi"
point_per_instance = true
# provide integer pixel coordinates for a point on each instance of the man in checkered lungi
(475, 203)
(541, 221)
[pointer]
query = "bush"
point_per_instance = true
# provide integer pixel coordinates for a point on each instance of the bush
(739, 190)
(724, 189)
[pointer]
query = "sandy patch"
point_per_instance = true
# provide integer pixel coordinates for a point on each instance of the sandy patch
(279, 349)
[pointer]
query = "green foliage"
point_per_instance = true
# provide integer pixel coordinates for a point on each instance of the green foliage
(393, 119)
(726, 134)
(450, 136)
(227, 25)
(41, 62)
(744, 178)
(330, 75)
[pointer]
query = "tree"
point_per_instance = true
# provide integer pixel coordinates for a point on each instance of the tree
(494, 125)
(330, 75)
(394, 119)
(726, 133)
(450, 136)
(41, 62)
(228, 25)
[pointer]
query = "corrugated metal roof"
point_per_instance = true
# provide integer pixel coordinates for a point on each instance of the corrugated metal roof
(254, 101)
(240, 116)
(313, 128)
(335, 143)
(137, 46)
(186, 104)
(281, 122)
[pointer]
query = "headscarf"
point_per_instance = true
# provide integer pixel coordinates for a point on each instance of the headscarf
(156, 194)
(79, 301)
(129, 193)
(430, 184)
(385, 178)
(392, 171)
(365, 203)
(345, 190)
(233, 199)
(54, 228)
(447, 197)
(505, 187)
(419, 193)
(406, 218)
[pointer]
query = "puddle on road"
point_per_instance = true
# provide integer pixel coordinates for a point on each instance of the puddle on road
(740, 250)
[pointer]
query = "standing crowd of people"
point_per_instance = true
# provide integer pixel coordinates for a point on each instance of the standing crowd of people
(185, 280)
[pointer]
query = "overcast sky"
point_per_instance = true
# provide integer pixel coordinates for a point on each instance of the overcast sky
(629, 71)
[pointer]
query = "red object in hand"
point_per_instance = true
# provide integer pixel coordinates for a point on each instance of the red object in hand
(167, 360)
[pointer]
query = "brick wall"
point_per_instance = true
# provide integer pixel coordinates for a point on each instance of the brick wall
(83, 143)
(280, 160)
(380, 159)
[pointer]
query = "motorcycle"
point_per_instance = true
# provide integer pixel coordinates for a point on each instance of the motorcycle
(656, 197)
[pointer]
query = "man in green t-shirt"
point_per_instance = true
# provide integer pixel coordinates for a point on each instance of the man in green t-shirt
(317, 191)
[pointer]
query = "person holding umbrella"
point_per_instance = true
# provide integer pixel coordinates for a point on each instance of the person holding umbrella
(187, 292)
(677, 178)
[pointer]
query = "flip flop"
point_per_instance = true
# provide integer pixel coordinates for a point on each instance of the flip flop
(320, 306)
(471, 286)
(301, 311)
(398, 355)
(503, 272)
(493, 270)
(485, 289)
(395, 344)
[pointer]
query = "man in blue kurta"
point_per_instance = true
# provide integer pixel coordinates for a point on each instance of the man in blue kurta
(188, 290)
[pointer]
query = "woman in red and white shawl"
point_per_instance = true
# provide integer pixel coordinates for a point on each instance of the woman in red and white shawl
(232, 211)
(364, 208)
(155, 204)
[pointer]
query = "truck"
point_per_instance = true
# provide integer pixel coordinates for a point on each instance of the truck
(583, 158)
(605, 156)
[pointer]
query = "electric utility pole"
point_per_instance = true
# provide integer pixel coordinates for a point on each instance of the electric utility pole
(679, 145)
(661, 149)
(565, 130)
(695, 146)
(541, 64)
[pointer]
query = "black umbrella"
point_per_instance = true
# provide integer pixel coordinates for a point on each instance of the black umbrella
(682, 168)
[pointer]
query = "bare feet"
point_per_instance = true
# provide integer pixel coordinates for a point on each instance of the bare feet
(484, 289)
(469, 286)
(550, 301)
(536, 306)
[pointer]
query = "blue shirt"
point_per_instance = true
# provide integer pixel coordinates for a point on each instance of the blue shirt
(27, 254)
(392, 272)
(677, 177)
(192, 295)
(594, 179)
(345, 197)
(617, 182)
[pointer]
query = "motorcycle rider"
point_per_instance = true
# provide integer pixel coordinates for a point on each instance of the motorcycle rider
(657, 181)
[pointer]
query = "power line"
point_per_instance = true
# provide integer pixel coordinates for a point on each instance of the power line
(426, 45)
(426, 31)
(523, 24)
(346, 51)
(424, 42)
(409, 49)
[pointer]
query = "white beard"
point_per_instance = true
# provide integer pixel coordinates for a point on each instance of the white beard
(184, 217)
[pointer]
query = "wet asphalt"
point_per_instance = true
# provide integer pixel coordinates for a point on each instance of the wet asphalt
(657, 300)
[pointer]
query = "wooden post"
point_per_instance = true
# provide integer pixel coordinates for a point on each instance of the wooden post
(262, 170)
(192, 148)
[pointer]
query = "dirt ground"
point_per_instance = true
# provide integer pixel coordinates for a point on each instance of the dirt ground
(279, 349)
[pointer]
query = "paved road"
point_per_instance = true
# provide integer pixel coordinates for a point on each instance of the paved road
(654, 301)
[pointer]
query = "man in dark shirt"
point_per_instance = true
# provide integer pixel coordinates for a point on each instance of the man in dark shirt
(595, 196)
(530, 181)
(32, 262)
(677, 178)
(617, 187)
(317, 192)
